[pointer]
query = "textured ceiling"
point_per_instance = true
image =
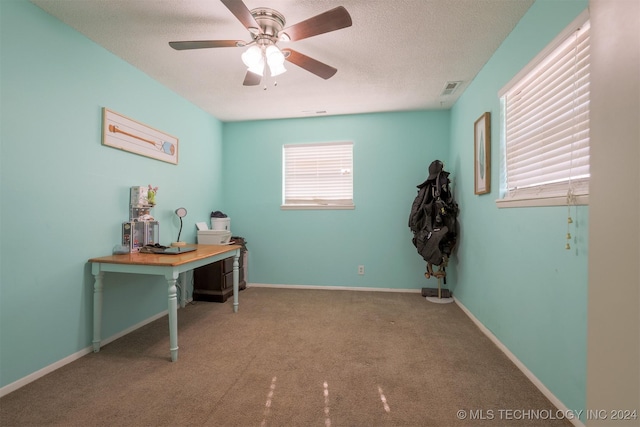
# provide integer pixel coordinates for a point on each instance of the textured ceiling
(398, 55)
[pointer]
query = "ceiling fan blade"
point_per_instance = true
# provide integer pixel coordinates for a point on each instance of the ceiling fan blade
(314, 66)
(331, 20)
(240, 11)
(252, 79)
(202, 44)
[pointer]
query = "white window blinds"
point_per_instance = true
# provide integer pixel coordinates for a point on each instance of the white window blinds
(318, 175)
(546, 123)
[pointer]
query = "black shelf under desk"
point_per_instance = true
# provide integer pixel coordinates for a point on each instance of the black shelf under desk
(214, 282)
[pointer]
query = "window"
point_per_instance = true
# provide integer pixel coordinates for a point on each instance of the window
(318, 176)
(545, 118)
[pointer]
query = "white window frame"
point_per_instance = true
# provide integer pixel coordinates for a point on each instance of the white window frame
(317, 175)
(573, 188)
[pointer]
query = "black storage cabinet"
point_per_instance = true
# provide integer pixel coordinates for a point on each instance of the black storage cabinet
(214, 282)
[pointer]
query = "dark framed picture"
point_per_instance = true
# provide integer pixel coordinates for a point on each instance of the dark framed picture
(482, 153)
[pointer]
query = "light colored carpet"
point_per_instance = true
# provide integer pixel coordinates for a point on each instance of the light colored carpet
(290, 357)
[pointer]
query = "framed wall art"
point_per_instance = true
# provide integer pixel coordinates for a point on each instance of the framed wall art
(126, 134)
(482, 154)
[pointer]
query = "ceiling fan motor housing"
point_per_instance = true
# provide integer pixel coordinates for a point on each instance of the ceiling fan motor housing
(271, 23)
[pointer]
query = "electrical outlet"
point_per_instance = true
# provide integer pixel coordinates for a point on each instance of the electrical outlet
(361, 269)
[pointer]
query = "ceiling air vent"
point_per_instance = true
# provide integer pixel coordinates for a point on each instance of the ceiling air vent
(450, 87)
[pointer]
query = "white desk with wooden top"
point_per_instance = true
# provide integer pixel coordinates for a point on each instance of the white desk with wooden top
(169, 266)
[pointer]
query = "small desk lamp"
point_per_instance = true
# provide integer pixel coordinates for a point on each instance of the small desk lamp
(181, 212)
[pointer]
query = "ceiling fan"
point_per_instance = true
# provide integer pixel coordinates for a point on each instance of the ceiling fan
(266, 27)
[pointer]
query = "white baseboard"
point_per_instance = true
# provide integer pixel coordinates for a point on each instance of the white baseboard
(536, 382)
(44, 371)
(73, 357)
(332, 288)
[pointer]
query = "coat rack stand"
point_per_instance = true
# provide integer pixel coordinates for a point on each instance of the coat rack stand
(443, 295)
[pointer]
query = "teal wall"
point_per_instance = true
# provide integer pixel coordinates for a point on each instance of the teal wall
(391, 154)
(513, 271)
(64, 195)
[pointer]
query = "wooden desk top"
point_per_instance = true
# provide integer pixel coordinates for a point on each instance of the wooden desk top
(136, 258)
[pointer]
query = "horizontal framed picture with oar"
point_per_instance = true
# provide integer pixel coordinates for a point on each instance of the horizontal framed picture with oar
(126, 134)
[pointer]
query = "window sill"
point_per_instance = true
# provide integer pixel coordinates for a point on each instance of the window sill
(526, 202)
(316, 207)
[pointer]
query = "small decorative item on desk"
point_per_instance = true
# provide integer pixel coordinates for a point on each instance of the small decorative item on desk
(151, 195)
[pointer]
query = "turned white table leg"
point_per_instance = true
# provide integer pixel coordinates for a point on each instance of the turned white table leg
(236, 280)
(173, 315)
(97, 306)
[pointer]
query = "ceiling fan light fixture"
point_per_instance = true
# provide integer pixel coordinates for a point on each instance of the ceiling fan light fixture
(257, 69)
(277, 69)
(275, 59)
(252, 57)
